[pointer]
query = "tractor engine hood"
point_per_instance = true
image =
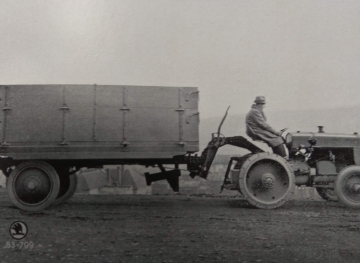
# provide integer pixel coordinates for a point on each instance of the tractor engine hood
(321, 139)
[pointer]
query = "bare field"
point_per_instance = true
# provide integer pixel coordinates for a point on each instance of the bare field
(181, 228)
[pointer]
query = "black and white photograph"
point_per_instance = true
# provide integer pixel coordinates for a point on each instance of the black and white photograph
(166, 131)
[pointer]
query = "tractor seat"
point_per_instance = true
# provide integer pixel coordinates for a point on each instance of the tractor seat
(258, 141)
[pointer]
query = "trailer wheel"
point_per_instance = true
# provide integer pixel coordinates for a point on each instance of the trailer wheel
(347, 186)
(266, 180)
(68, 184)
(327, 194)
(33, 185)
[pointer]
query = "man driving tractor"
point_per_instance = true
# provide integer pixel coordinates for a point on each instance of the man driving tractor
(259, 130)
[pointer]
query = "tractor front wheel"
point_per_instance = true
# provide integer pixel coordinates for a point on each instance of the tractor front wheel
(347, 186)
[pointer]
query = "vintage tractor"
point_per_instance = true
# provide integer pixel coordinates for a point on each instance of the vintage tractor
(328, 162)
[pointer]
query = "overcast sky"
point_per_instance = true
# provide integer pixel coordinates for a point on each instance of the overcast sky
(299, 54)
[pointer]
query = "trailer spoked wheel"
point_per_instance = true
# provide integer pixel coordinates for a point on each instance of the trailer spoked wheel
(347, 186)
(33, 185)
(68, 184)
(327, 194)
(266, 180)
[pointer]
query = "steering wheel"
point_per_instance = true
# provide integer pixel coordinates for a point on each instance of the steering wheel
(282, 131)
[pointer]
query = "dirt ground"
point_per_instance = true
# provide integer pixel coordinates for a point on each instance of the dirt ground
(182, 228)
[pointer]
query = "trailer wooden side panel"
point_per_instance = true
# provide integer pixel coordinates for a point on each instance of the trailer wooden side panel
(98, 122)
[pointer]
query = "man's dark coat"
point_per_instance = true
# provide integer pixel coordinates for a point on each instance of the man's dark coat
(258, 129)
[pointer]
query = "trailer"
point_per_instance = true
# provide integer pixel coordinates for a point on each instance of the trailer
(49, 132)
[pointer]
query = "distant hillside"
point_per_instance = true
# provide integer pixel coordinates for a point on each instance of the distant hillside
(337, 120)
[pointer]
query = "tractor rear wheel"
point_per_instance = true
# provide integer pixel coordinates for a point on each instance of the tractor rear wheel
(33, 185)
(266, 180)
(347, 186)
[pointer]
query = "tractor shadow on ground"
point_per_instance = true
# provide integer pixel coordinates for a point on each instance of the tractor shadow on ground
(236, 203)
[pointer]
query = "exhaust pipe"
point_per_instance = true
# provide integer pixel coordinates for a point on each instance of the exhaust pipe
(321, 129)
